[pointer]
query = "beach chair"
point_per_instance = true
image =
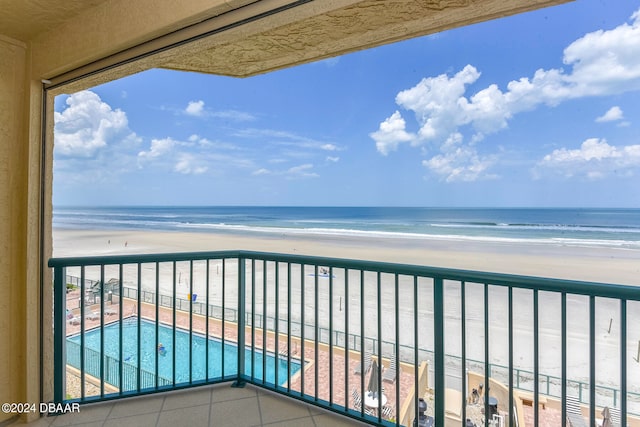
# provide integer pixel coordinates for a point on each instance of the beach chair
(110, 311)
(367, 363)
(574, 413)
(389, 374)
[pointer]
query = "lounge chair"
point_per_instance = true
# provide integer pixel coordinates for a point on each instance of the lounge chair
(574, 413)
(110, 311)
(284, 351)
(91, 315)
(389, 374)
(73, 320)
(367, 363)
(615, 417)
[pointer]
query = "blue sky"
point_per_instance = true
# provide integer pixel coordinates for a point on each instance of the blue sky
(539, 109)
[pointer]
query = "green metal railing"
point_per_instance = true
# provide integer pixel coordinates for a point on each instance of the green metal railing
(549, 385)
(268, 302)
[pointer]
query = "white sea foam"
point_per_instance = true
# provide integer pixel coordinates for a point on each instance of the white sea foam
(341, 232)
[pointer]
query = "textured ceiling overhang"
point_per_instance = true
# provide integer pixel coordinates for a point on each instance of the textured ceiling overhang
(322, 29)
(25, 19)
(239, 38)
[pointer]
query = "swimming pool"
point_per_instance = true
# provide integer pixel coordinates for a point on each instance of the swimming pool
(149, 354)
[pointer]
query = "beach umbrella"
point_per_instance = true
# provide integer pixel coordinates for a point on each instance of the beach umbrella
(606, 417)
(373, 379)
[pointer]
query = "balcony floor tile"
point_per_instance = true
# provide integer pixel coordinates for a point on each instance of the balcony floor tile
(203, 406)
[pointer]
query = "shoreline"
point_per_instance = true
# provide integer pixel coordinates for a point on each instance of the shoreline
(590, 264)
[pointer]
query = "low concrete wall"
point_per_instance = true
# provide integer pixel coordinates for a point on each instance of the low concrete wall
(408, 409)
(499, 391)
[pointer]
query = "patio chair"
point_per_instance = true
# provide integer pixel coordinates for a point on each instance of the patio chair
(357, 403)
(389, 374)
(387, 412)
(367, 363)
(357, 399)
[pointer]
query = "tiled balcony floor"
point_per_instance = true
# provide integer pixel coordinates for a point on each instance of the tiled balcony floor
(219, 405)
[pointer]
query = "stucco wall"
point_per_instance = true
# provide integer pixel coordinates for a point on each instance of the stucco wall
(13, 159)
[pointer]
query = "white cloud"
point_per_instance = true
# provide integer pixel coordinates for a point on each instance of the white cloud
(459, 162)
(329, 62)
(234, 115)
(594, 159)
(210, 145)
(195, 108)
(600, 63)
(606, 62)
(303, 171)
(158, 148)
(391, 133)
(88, 125)
(278, 146)
(188, 164)
(197, 155)
(300, 171)
(614, 113)
(287, 139)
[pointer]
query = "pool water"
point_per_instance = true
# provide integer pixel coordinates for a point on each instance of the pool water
(149, 353)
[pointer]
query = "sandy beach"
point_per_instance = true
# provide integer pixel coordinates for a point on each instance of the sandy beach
(594, 264)
(608, 265)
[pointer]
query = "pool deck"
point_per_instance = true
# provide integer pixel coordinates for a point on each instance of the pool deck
(320, 361)
(318, 364)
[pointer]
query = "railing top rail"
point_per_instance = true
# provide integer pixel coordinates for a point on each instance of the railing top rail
(140, 258)
(607, 290)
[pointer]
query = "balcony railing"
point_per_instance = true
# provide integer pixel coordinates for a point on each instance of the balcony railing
(326, 331)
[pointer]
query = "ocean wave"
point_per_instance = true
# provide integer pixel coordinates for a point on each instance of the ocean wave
(550, 227)
(339, 232)
(103, 214)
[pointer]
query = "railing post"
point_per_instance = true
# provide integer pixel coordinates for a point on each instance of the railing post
(438, 341)
(241, 321)
(59, 334)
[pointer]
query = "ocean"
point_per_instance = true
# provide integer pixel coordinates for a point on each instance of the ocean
(569, 227)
